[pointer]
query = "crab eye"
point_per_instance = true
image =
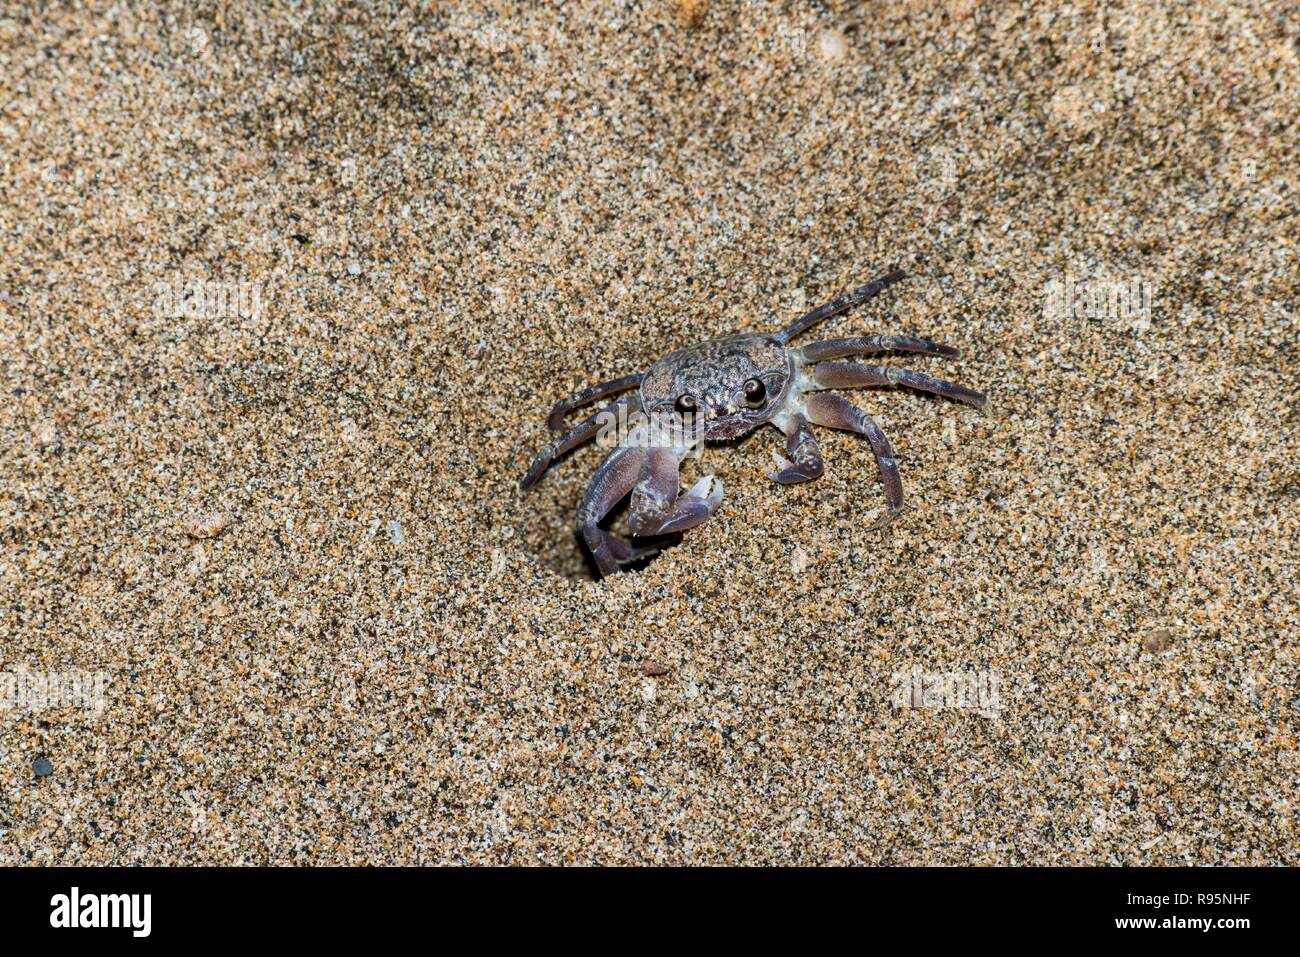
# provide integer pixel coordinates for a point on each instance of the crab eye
(685, 403)
(755, 391)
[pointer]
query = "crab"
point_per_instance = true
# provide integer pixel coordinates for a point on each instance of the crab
(720, 390)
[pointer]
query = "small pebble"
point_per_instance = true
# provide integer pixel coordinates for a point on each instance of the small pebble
(207, 526)
(1158, 641)
(43, 767)
(832, 46)
(690, 13)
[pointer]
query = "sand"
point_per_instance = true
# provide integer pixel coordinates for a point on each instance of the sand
(286, 531)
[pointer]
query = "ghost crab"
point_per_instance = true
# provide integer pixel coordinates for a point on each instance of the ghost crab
(722, 389)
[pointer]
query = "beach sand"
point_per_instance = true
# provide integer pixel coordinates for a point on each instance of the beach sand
(285, 529)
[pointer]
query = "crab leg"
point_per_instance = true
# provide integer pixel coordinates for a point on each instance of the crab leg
(865, 345)
(861, 294)
(555, 421)
(848, 375)
(802, 447)
(580, 433)
(613, 480)
(837, 412)
(657, 508)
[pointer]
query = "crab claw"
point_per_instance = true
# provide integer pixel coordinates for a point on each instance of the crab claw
(788, 473)
(700, 491)
(686, 511)
(782, 463)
